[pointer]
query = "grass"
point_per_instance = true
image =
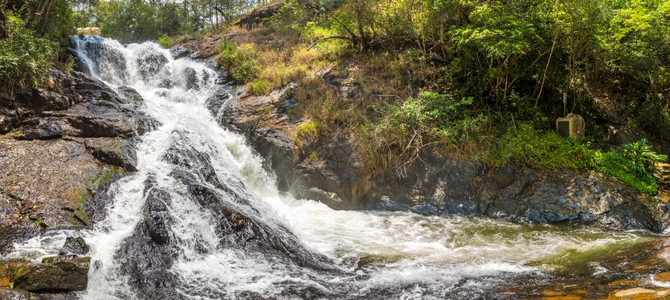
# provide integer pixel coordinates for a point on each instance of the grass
(265, 60)
(169, 41)
(307, 131)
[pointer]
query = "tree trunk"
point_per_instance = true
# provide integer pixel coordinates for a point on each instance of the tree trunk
(3, 31)
(362, 38)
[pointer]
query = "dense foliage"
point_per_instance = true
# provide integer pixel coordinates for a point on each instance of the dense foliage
(24, 58)
(31, 33)
(140, 20)
(484, 79)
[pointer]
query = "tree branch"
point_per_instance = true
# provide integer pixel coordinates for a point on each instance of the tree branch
(340, 37)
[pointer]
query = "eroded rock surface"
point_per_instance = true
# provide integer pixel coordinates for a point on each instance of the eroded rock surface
(62, 144)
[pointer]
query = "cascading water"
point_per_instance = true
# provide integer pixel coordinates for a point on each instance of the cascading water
(202, 219)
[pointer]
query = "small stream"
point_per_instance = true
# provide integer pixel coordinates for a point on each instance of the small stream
(226, 232)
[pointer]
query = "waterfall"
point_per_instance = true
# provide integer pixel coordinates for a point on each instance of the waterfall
(202, 219)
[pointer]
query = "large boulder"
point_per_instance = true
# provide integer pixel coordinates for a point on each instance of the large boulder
(74, 246)
(61, 273)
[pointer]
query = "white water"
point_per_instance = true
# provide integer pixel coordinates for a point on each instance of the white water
(403, 254)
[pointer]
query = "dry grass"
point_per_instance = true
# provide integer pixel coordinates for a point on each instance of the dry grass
(348, 104)
(281, 58)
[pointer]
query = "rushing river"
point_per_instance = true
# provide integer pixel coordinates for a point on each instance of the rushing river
(325, 253)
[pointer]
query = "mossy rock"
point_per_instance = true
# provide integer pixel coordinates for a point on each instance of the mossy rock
(61, 273)
(7, 270)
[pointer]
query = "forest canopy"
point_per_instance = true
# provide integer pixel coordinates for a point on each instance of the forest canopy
(140, 20)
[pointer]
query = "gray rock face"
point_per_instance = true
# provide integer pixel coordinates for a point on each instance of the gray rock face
(62, 273)
(519, 194)
(76, 128)
(74, 246)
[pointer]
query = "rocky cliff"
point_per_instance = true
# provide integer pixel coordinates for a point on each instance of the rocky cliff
(61, 145)
(435, 184)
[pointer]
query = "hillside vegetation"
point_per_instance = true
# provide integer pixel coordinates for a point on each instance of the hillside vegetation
(32, 34)
(478, 79)
(482, 80)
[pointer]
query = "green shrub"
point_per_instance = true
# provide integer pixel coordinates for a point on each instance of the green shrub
(642, 156)
(166, 41)
(544, 150)
(405, 130)
(633, 164)
(617, 164)
(259, 87)
(307, 131)
(24, 58)
(239, 62)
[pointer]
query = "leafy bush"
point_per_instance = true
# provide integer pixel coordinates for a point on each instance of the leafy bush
(429, 119)
(617, 164)
(240, 62)
(166, 41)
(642, 156)
(307, 131)
(24, 58)
(633, 164)
(544, 150)
(258, 87)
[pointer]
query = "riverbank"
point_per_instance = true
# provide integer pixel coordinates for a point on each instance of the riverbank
(318, 156)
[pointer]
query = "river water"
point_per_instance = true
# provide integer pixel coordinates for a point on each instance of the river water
(329, 253)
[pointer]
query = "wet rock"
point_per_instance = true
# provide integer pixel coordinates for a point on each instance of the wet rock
(663, 277)
(14, 295)
(147, 264)
(114, 151)
(626, 276)
(131, 95)
(635, 293)
(179, 52)
(385, 203)
(46, 128)
(46, 183)
(191, 78)
(156, 216)
(505, 176)
(62, 273)
(237, 228)
(74, 246)
(329, 198)
(7, 269)
(147, 255)
(152, 63)
(81, 107)
(67, 141)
